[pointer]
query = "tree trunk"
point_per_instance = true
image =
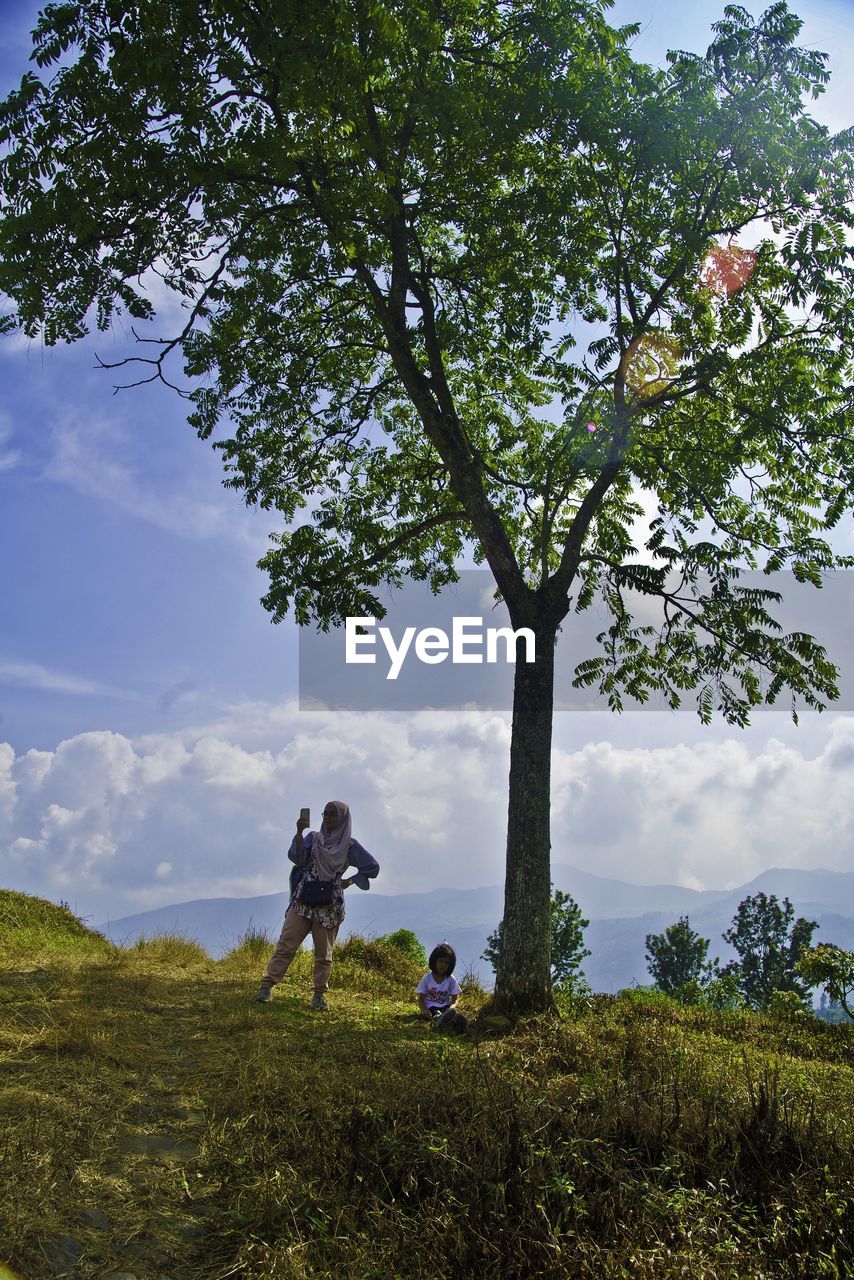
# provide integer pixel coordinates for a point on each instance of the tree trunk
(523, 982)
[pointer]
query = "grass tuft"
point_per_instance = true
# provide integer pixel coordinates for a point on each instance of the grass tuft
(251, 952)
(167, 950)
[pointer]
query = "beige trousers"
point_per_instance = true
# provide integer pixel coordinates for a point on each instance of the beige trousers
(294, 932)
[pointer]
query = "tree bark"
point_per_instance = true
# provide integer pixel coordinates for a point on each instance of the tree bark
(523, 979)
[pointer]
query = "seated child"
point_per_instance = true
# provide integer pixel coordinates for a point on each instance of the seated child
(438, 991)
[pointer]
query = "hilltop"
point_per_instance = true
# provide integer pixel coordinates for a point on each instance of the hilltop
(29, 926)
(154, 1122)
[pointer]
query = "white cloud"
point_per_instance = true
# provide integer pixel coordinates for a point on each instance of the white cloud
(707, 815)
(209, 811)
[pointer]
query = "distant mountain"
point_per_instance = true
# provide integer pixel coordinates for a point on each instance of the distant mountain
(620, 915)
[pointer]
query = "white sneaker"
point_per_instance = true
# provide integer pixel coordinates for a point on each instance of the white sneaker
(319, 1003)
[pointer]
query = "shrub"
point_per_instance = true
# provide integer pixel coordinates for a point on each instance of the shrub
(405, 941)
(787, 1006)
(376, 957)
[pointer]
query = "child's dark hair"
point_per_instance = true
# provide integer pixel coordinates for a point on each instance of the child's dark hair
(444, 951)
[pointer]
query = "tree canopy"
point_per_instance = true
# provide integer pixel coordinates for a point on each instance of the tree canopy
(677, 956)
(769, 942)
(830, 967)
(466, 274)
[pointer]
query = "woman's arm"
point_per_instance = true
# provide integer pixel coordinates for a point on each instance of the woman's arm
(367, 867)
(300, 848)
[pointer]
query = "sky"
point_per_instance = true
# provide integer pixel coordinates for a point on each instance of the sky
(152, 746)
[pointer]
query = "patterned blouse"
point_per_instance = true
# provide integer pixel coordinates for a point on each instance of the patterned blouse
(332, 914)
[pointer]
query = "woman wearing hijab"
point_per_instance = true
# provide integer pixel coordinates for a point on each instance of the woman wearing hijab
(317, 896)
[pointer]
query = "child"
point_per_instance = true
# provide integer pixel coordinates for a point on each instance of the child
(438, 991)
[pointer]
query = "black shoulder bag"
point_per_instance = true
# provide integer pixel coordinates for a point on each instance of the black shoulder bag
(315, 893)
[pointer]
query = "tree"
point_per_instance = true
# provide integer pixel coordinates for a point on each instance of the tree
(677, 957)
(832, 968)
(567, 948)
(769, 942)
(452, 276)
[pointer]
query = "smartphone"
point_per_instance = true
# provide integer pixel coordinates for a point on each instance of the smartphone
(305, 816)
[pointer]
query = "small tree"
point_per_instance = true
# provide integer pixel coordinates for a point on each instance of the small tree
(677, 957)
(769, 941)
(406, 941)
(830, 967)
(567, 940)
(722, 992)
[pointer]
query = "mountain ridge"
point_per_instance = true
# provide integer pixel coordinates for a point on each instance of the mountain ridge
(616, 936)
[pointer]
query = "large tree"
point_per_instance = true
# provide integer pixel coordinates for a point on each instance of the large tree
(461, 272)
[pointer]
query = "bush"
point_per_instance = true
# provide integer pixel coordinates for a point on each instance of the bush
(723, 993)
(405, 941)
(787, 1006)
(647, 997)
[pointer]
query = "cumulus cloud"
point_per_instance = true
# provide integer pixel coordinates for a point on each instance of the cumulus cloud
(118, 826)
(709, 815)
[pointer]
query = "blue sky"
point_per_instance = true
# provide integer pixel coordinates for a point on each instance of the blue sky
(151, 749)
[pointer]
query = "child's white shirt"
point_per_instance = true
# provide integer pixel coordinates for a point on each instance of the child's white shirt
(438, 993)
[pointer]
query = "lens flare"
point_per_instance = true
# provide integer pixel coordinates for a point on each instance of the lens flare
(727, 268)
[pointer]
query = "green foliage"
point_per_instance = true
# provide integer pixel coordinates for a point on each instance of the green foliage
(405, 941)
(567, 942)
(383, 260)
(830, 967)
(677, 959)
(769, 942)
(788, 1006)
(374, 963)
(723, 992)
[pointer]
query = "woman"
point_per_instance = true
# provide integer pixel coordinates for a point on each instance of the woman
(317, 896)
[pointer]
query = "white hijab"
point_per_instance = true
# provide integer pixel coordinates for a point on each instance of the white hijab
(331, 852)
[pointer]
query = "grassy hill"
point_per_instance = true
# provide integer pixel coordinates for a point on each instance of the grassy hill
(156, 1123)
(30, 925)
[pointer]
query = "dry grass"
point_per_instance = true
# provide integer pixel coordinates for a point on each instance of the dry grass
(625, 1138)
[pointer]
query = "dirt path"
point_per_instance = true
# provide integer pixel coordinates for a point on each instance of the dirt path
(105, 1090)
